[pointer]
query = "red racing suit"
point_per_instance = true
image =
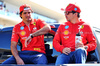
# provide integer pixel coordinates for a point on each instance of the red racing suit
(65, 36)
(22, 31)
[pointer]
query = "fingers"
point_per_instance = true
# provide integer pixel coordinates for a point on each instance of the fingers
(79, 45)
(66, 51)
(27, 41)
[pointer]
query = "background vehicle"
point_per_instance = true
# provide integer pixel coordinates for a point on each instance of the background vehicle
(5, 51)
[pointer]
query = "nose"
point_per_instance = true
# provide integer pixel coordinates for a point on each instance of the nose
(28, 14)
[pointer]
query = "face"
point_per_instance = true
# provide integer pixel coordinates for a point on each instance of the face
(26, 15)
(69, 15)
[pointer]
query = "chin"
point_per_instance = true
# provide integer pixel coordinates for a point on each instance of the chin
(29, 19)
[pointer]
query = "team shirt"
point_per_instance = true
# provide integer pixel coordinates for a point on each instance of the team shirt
(65, 36)
(22, 31)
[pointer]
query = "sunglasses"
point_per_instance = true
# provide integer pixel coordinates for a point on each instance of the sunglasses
(68, 12)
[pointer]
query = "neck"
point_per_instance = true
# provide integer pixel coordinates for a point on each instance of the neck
(27, 22)
(74, 21)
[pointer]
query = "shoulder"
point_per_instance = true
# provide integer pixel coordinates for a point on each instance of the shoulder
(86, 25)
(64, 24)
(38, 20)
(17, 25)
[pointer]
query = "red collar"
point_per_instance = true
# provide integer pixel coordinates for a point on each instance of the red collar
(23, 24)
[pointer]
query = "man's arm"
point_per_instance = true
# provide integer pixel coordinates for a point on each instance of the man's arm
(14, 51)
(91, 40)
(41, 31)
(57, 40)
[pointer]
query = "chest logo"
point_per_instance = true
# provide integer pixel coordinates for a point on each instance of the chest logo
(34, 23)
(34, 28)
(66, 37)
(22, 28)
(66, 27)
(23, 33)
(82, 26)
(66, 32)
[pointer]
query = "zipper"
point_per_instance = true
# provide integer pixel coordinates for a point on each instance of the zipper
(29, 28)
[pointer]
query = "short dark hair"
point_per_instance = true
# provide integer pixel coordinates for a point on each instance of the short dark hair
(76, 12)
(21, 14)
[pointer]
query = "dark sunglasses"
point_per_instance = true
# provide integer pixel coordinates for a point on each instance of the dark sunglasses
(68, 12)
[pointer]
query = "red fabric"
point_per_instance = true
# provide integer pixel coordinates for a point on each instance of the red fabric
(65, 36)
(72, 7)
(52, 32)
(23, 6)
(22, 31)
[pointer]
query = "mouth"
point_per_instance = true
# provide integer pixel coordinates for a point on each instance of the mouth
(28, 17)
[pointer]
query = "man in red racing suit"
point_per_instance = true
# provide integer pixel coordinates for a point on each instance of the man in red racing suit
(64, 40)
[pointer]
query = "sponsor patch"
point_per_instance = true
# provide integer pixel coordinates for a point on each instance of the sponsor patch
(66, 32)
(23, 33)
(75, 9)
(34, 28)
(82, 26)
(21, 27)
(66, 37)
(34, 23)
(66, 27)
(38, 49)
(24, 38)
(27, 8)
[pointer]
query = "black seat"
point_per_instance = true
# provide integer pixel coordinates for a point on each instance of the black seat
(92, 58)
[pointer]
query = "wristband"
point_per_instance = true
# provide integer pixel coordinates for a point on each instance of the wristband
(31, 35)
(86, 47)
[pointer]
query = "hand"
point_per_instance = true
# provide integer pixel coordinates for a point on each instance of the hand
(66, 50)
(20, 61)
(27, 41)
(77, 45)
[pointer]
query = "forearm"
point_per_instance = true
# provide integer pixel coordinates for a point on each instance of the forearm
(58, 47)
(91, 46)
(14, 50)
(42, 31)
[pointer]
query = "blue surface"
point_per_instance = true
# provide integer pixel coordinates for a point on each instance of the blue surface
(5, 38)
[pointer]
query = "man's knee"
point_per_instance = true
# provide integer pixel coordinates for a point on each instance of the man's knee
(80, 50)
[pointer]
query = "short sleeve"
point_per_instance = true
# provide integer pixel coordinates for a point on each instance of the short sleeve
(40, 23)
(15, 36)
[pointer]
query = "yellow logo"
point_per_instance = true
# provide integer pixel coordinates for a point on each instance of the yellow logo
(23, 33)
(82, 26)
(66, 32)
(34, 23)
(38, 49)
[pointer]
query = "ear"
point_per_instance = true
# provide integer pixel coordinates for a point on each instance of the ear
(21, 15)
(75, 14)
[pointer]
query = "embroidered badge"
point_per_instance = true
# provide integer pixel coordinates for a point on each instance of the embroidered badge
(66, 37)
(82, 26)
(21, 27)
(66, 27)
(23, 33)
(75, 9)
(34, 23)
(66, 32)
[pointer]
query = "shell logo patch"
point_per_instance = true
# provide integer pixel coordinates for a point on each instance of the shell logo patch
(66, 32)
(23, 33)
